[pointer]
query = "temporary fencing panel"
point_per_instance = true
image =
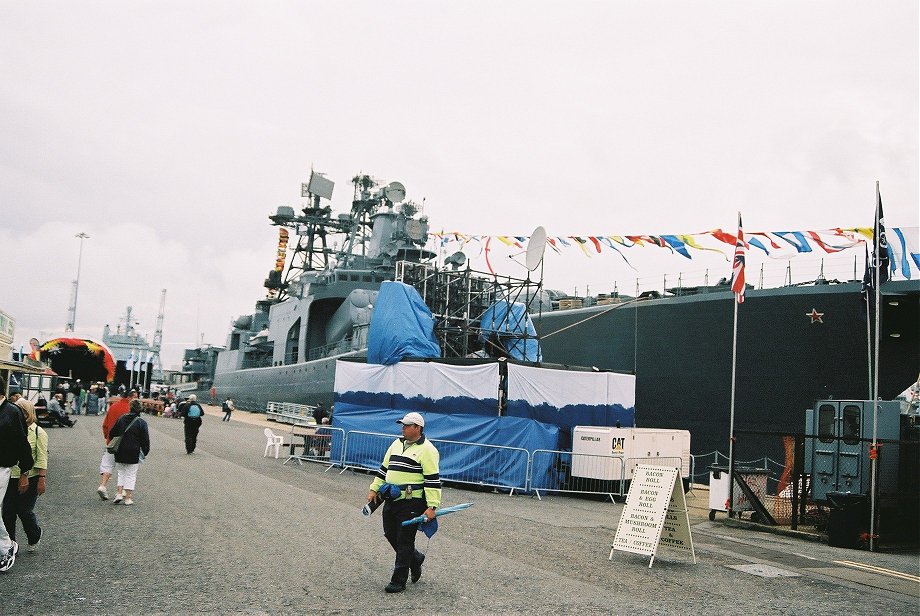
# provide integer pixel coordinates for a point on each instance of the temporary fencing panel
(551, 471)
(472, 463)
(323, 444)
(365, 450)
(483, 465)
(508, 432)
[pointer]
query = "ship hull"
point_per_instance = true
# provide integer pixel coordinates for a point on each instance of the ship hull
(308, 382)
(795, 345)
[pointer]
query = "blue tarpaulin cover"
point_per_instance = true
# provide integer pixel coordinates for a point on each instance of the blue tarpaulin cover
(460, 404)
(401, 326)
(502, 466)
(509, 322)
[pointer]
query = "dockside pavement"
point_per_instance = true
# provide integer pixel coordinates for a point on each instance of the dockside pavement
(226, 530)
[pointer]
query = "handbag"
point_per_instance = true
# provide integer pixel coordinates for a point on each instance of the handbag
(115, 441)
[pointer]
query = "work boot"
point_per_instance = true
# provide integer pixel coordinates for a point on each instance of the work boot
(398, 581)
(416, 567)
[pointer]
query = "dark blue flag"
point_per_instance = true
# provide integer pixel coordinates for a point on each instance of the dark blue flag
(879, 253)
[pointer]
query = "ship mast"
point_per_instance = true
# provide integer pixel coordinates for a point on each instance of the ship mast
(314, 226)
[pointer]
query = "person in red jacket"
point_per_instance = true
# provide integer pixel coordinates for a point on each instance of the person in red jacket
(107, 464)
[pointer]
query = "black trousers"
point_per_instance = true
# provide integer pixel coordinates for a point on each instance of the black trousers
(402, 538)
(21, 506)
(192, 425)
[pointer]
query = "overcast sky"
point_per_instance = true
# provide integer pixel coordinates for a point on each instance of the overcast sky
(169, 131)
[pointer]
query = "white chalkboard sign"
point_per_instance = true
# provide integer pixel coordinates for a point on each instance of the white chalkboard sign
(655, 514)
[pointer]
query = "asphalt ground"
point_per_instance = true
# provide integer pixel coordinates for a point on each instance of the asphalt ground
(227, 531)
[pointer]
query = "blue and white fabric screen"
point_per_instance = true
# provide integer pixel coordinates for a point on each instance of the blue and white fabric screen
(419, 386)
(567, 399)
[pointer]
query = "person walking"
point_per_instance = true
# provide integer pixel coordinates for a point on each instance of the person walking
(409, 484)
(118, 409)
(77, 391)
(25, 488)
(135, 444)
(228, 409)
(192, 414)
(14, 451)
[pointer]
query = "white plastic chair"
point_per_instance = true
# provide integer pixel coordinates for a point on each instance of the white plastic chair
(272, 440)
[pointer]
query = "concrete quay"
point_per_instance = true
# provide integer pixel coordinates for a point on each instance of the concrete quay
(226, 531)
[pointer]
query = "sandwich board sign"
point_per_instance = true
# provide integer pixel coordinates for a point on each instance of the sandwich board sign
(655, 514)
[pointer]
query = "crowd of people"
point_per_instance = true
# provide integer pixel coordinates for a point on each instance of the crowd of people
(407, 484)
(24, 447)
(125, 436)
(23, 468)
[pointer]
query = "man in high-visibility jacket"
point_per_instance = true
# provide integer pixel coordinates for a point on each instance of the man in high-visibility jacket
(411, 465)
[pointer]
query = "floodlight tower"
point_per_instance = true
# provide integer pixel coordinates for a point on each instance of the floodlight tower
(72, 309)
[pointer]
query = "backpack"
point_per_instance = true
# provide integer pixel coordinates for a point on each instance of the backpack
(194, 411)
(226, 407)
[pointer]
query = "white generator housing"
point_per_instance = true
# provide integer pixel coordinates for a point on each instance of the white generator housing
(592, 447)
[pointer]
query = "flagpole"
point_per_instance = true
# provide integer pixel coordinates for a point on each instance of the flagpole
(731, 415)
(737, 287)
(868, 332)
(873, 454)
(131, 374)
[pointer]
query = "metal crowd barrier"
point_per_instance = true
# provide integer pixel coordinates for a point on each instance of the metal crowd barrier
(493, 466)
(668, 461)
(323, 444)
(564, 471)
(481, 465)
(365, 450)
(496, 466)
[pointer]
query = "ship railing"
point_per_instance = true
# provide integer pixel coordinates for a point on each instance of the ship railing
(334, 348)
(323, 444)
(581, 473)
(290, 412)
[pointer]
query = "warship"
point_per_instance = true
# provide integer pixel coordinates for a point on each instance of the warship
(320, 300)
(796, 344)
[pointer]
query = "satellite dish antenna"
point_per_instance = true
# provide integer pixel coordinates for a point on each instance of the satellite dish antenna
(456, 260)
(395, 192)
(536, 246)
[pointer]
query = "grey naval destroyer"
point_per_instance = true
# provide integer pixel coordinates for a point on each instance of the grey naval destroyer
(797, 343)
(319, 302)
